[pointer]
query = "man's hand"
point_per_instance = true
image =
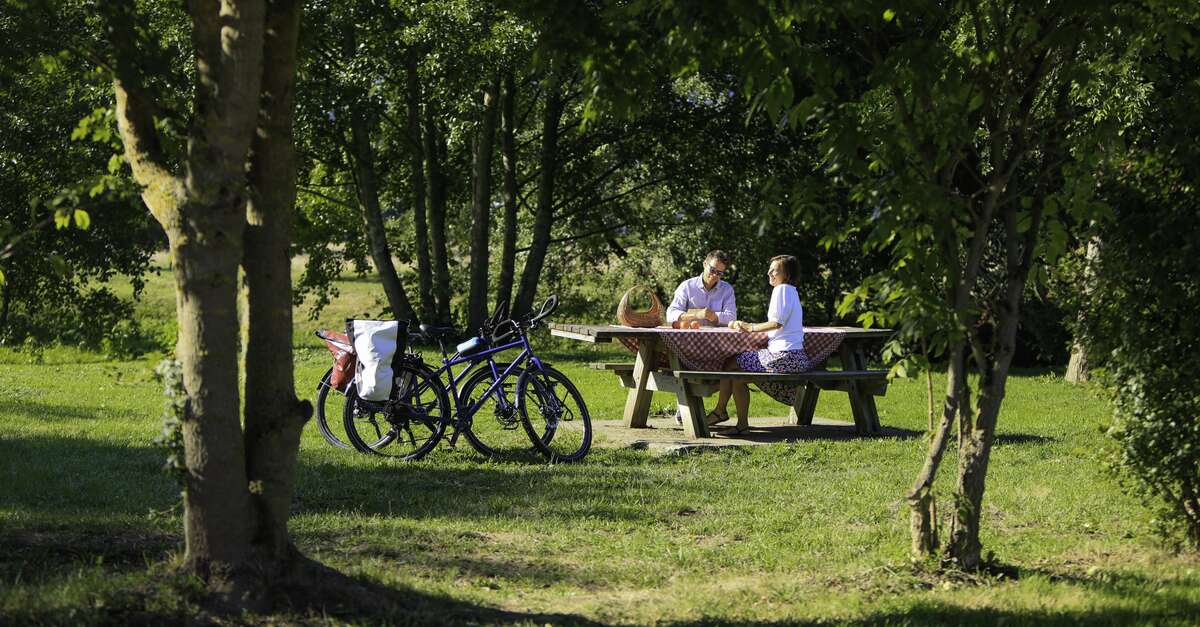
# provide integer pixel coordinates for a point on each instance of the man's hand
(738, 325)
(701, 314)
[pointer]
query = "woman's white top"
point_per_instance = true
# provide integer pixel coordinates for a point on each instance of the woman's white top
(785, 309)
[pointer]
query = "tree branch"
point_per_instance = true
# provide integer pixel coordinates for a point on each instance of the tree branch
(337, 201)
(135, 121)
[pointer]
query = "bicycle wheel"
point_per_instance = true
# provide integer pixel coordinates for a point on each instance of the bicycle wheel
(406, 426)
(554, 414)
(495, 429)
(336, 402)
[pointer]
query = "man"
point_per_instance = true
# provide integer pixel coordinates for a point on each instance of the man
(705, 298)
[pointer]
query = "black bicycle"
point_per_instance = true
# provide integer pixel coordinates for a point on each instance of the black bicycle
(488, 409)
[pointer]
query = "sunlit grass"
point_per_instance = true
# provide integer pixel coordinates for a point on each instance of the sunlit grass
(811, 531)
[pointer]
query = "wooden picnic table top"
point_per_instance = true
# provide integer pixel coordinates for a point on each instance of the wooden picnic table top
(602, 333)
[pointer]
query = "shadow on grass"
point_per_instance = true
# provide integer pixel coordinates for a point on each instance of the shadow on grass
(428, 490)
(34, 411)
(319, 595)
(55, 478)
(360, 599)
(1009, 439)
(39, 553)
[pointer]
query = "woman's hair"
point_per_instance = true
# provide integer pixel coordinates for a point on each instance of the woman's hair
(791, 266)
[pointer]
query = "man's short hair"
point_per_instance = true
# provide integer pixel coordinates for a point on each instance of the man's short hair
(718, 255)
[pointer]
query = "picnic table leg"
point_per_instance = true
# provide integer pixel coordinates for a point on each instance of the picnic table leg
(637, 403)
(691, 408)
(691, 405)
(862, 405)
(805, 405)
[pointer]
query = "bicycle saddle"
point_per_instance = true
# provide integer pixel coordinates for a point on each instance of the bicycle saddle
(434, 331)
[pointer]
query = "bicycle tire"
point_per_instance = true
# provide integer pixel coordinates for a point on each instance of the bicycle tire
(323, 392)
(549, 432)
(495, 430)
(414, 386)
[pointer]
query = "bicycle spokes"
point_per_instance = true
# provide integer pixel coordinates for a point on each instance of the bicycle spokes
(494, 429)
(554, 415)
(409, 424)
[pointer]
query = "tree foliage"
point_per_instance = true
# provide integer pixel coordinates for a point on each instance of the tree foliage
(1137, 315)
(58, 125)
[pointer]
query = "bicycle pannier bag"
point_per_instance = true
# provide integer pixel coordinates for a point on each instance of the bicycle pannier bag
(343, 360)
(375, 343)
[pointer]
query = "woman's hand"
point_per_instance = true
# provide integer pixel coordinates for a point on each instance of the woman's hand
(738, 325)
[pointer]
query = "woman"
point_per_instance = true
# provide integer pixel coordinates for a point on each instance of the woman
(784, 351)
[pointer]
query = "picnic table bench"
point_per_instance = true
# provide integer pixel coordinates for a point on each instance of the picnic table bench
(686, 363)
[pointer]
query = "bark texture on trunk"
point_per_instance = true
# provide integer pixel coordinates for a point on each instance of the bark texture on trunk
(921, 501)
(436, 183)
(205, 254)
(367, 186)
(544, 219)
(976, 437)
(508, 152)
(274, 416)
(481, 206)
(5, 299)
(428, 307)
(236, 486)
(1077, 367)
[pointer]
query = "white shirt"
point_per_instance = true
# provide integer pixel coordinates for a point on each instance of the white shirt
(785, 309)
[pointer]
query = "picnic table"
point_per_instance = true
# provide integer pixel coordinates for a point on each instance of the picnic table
(688, 363)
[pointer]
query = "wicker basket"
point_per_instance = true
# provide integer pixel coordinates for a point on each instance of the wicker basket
(650, 318)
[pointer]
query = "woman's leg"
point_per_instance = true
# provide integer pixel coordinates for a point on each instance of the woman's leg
(741, 402)
(744, 362)
(726, 388)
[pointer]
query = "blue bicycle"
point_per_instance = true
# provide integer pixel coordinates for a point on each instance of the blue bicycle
(544, 409)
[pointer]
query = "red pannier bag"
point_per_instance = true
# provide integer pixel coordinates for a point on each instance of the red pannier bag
(343, 359)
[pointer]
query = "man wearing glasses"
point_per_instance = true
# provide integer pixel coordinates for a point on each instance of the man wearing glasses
(705, 299)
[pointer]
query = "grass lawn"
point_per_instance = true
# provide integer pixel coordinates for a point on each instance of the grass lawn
(815, 531)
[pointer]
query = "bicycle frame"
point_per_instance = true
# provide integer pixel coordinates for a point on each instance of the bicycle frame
(461, 414)
(498, 378)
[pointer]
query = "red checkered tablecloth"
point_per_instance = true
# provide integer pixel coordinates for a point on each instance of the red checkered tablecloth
(707, 349)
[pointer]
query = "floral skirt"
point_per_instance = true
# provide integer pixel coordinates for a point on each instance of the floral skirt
(768, 361)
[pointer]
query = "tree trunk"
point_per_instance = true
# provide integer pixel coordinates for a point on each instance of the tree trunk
(203, 213)
(1190, 498)
(417, 180)
(203, 209)
(481, 204)
(205, 251)
(436, 183)
(1077, 367)
(923, 518)
(274, 417)
(975, 447)
(5, 300)
(508, 152)
(368, 201)
(544, 218)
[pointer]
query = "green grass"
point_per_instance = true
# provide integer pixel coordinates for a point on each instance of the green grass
(812, 531)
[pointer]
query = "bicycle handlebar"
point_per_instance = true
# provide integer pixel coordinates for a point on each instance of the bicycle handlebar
(516, 326)
(547, 308)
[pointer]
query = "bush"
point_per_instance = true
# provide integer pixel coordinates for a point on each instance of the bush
(1140, 324)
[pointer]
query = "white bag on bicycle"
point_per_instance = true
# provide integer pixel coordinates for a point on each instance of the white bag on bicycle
(375, 344)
